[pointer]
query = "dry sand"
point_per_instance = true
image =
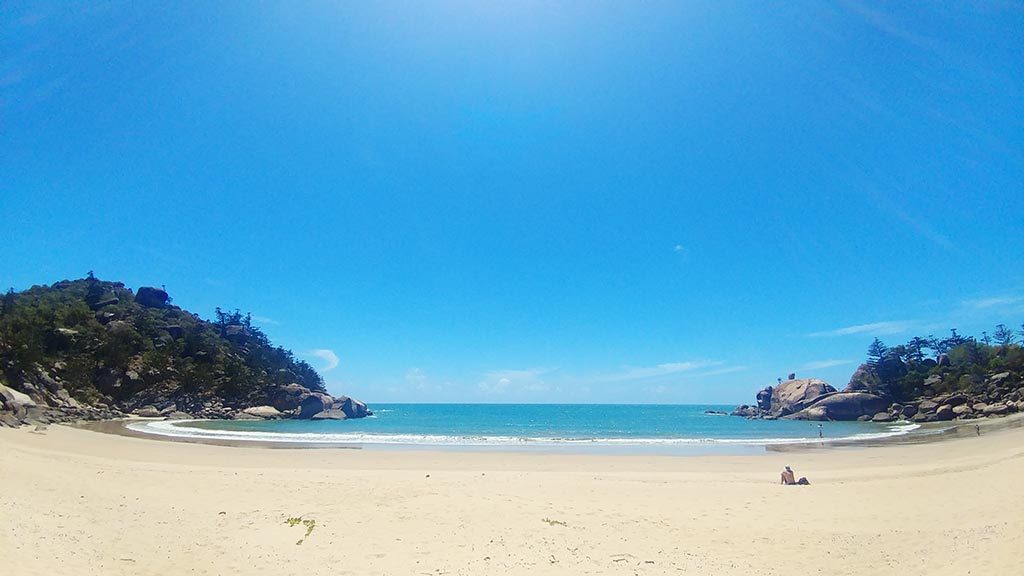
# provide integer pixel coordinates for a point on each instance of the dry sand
(80, 502)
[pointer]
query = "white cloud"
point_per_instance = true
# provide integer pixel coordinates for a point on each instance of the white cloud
(644, 372)
(265, 320)
(718, 371)
(874, 328)
(498, 382)
(328, 356)
(994, 302)
(415, 376)
(822, 364)
(887, 24)
(678, 248)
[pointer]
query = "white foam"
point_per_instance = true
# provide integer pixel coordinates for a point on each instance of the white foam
(180, 429)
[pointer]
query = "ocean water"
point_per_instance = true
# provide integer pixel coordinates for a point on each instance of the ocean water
(567, 427)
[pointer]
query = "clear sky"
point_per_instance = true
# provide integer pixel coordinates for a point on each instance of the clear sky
(518, 201)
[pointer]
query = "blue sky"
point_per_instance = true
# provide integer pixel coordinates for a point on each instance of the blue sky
(520, 201)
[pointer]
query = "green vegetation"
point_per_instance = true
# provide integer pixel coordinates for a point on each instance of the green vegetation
(104, 345)
(956, 363)
(310, 524)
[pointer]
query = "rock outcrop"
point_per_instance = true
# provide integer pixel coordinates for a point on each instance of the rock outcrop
(351, 407)
(314, 404)
(331, 414)
(15, 401)
(842, 406)
(265, 412)
(862, 380)
(151, 297)
(973, 395)
(793, 396)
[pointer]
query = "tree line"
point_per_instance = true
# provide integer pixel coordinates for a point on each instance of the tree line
(961, 363)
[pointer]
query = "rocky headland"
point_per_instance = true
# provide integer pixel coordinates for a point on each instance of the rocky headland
(812, 399)
(94, 350)
(928, 379)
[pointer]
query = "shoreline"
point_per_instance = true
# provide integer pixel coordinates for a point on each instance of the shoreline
(925, 433)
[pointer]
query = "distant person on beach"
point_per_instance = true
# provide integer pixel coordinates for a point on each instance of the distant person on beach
(821, 431)
(789, 478)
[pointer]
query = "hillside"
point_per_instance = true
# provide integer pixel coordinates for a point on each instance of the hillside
(94, 349)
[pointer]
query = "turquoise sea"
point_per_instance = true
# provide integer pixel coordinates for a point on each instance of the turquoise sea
(559, 427)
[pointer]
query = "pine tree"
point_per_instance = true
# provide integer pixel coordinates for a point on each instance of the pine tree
(876, 355)
(1004, 336)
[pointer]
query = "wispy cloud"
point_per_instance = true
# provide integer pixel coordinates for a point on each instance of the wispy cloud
(993, 302)
(822, 364)
(328, 356)
(658, 370)
(498, 382)
(679, 248)
(415, 376)
(888, 25)
(718, 371)
(874, 328)
(265, 320)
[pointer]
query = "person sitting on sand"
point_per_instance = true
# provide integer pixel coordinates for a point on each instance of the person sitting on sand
(789, 478)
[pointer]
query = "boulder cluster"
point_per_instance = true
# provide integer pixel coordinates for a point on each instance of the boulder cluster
(813, 399)
(810, 399)
(18, 408)
(997, 398)
(45, 401)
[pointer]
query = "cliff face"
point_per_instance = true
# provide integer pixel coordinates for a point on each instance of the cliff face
(93, 349)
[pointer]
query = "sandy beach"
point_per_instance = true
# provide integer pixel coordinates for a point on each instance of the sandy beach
(81, 502)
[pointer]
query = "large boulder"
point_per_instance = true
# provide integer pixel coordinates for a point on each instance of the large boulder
(15, 401)
(956, 399)
(244, 416)
(863, 379)
(746, 411)
(842, 406)
(997, 379)
(148, 412)
(945, 412)
(331, 414)
(961, 409)
(314, 404)
(793, 396)
(818, 413)
(265, 412)
(764, 399)
(151, 297)
(351, 407)
(996, 410)
(289, 397)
